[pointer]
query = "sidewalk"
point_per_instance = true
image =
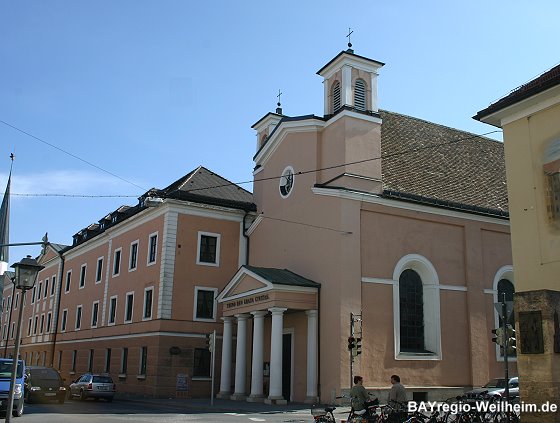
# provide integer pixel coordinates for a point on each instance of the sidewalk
(202, 405)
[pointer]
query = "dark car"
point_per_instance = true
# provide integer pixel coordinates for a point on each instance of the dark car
(43, 384)
(93, 386)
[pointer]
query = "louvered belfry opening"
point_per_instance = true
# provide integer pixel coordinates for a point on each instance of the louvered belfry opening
(360, 95)
(336, 96)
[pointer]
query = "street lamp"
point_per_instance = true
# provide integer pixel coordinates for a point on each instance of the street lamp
(26, 276)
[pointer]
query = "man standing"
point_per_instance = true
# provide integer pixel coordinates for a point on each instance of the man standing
(359, 394)
(397, 398)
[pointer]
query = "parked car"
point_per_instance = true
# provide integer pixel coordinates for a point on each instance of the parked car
(6, 365)
(44, 383)
(494, 386)
(93, 386)
(513, 388)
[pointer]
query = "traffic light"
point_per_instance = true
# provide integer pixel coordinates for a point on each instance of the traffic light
(351, 343)
(210, 341)
(512, 344)
(498, 336)
(358, 346)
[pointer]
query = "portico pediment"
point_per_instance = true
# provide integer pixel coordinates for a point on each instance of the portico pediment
(256, 288)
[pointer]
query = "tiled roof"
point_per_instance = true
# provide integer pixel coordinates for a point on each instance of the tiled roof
(427, 162)
(282, 276)
(208, 187)
(543, 82)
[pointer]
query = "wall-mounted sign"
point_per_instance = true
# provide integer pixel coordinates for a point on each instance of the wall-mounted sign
(247, 301)
(531, 332)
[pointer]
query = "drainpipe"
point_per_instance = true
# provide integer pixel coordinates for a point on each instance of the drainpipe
(55, 319)
(10, 316)
(319, 344)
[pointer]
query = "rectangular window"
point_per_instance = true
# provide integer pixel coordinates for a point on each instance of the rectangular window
(39, 290)
(117, 262)
(148, 299)
(33, 293)
(53, 286)
(49, 322)
(78, 317)
(30, 323)
(59, 360)
(46, 293)
(124, 360)
(201, 363)
(143, 360)
(129, 307)
(68, 280)
(112, 310)
(152, 248)
(94, 314)
(108, 361)
(90, 360)
(35, 324)
(133, 256)
(64, 318)
(83, 275)
(74, 356)
(12, 330)
(16, 303)
(99, 271)
(42, 325)
(5, 331)
(208, 249)
(204, 306)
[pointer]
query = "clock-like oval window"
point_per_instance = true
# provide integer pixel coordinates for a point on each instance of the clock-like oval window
(287, 182)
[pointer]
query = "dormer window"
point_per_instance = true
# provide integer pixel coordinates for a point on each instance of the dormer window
(360, 95)
(114, 219)
(336, 96)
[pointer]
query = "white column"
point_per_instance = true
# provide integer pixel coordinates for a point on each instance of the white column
(374, 105)
(225, 375)
(240, 357)
(257, 367)
(275, 391)
(311, 356)
(326, 90)
(347, 86)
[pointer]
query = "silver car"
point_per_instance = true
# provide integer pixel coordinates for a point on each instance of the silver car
(93, 386)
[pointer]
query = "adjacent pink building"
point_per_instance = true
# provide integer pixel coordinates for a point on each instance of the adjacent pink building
(363, 223)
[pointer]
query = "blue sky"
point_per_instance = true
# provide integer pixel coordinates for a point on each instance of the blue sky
(149, 90)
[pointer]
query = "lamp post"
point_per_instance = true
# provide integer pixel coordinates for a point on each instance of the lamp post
(26, 276)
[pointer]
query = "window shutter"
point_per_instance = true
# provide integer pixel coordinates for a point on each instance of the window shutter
(336, 96)
(360, 95)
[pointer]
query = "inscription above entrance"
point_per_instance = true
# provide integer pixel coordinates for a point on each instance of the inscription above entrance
(246, 301)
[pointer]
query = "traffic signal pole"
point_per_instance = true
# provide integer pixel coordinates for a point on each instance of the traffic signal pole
(506, 349)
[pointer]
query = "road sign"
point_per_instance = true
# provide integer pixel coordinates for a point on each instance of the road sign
(509, 308)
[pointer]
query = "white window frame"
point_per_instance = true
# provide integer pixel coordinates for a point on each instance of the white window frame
(116, 298)
(137, 243)
(83, 276)
(46, 288)
(128, 295)
(432, 316)
(64, 321)
(39, 290)
(30, 326)
(35, 324)
(53, 286)
(68, 282)
(113, 273)
(148, 262)
(12, 330)
(48, 326)
(505, 272)
(218, 243)
(16, 302)
(144, 318)
(214, 307)
(98, 271)
(81, 314)
(93, 326)
(42, 324)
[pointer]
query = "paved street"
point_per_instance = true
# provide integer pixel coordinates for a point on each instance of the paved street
(166, 411)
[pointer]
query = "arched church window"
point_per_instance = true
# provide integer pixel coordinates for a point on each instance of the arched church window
(360, 95)
(507, 288)
(336, 96)
(411, 307)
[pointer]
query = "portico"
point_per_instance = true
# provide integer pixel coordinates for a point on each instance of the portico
(281, 308)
